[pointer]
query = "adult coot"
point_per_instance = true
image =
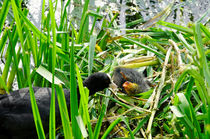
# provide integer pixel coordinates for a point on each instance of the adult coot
(16, 118)
(130, 81)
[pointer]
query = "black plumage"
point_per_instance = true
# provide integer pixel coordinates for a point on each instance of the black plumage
(130, 81)
(97, 82)
(16, 118)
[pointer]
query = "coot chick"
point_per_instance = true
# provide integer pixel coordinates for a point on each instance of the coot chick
(130, 81)
(16, 118)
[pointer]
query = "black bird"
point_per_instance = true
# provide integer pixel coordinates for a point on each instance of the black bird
(16, 118)
(130, 81)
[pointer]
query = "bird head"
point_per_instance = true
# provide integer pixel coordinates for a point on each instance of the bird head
(97, 82)
(131, 88)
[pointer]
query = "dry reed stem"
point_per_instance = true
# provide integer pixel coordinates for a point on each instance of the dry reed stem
(159, 89)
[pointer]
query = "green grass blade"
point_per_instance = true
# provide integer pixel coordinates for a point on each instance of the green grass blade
(82, 126)
(13, 73)
(138, 21)
(3, 39)
(208, 123)
(141, 64)
(7, 65)
(35, 30)
(189, 88)
(3, 14)
(18, 23)
(32, 27)
(200, 83)
(84, 93)
(155, 43)
(205, 30)
(73, 94)
(145, 47)
(137, 109)
(48, 75)
(43, 16)
(64, 15)
(179, 81)
(111, 126)
(91, 53)
(201, 53)
(101, 116)
(184, 106)
(187, 108)
(4, 86)
(15, 60)
(9, 57)
(140, 124)
(128, 127)
(64, 112)
(177, 27)
(94, 22)
(52, 122)
(84, 23)
(35, 111)
(176, 111)
(32, 46)
(187, 45)
(184, 120)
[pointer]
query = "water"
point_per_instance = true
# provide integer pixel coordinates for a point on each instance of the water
(182, 13)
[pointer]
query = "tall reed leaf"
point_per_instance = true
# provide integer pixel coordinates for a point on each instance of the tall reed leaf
(4, 12)
(91, 53)
(73, 94)
(48, 75)
(84, 23)
(9, 60)
(32, 27)
(35, 111)
(64, 15)
(201, 53)
(3, 85)
(35, 30)
(53, 55)
(13, 73)
(64, 112)
(84, 93)
(3, 39)
(15, 60)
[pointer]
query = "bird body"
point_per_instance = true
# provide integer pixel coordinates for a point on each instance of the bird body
(130, 81)
(16, 118)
